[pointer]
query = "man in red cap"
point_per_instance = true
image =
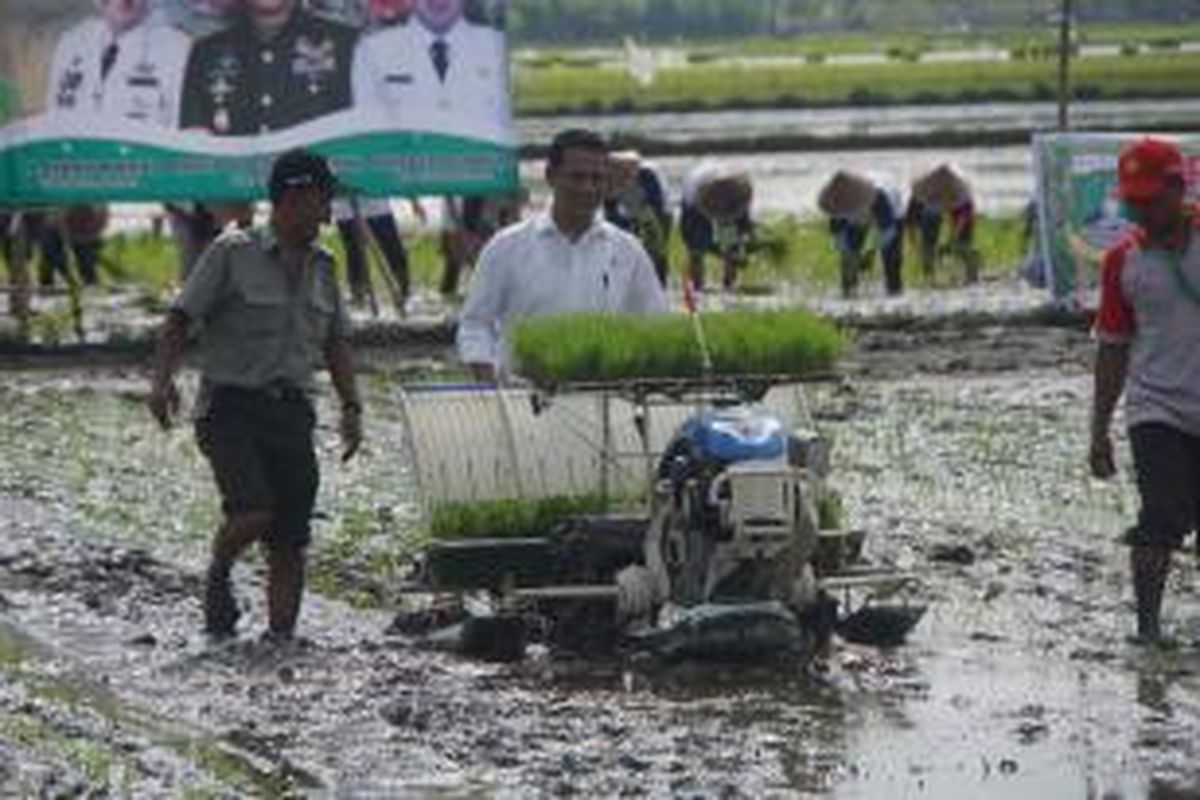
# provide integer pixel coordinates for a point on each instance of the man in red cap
(1148, 334)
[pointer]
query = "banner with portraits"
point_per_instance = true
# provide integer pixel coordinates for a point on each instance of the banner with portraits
(136, 100)
(1078, 215)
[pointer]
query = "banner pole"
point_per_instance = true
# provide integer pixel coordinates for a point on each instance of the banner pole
(1064, 67)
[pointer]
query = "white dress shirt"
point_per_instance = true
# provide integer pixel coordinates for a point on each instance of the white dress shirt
(531, 268)
(394, 79)
(143, 82)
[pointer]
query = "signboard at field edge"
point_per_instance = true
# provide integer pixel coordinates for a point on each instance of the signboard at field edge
(1078, 215)
(186, 100)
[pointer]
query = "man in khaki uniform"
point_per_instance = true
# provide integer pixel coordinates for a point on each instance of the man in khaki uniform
(269, 307)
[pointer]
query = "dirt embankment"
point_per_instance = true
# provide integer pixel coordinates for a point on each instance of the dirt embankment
(884, 347)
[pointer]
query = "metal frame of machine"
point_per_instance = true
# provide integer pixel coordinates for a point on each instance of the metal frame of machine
(728, 560)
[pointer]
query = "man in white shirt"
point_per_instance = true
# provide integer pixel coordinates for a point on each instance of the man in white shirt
(126, 62)
(437, 72)
(566, 259)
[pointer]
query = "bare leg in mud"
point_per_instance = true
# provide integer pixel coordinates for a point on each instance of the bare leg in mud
(285, 587)
(233, 536)
(1149, 566)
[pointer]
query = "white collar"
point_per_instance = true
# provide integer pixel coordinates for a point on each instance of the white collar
(429, 36)
(544, 224)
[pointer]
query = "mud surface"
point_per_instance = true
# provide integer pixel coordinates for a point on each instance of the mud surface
(961, 452)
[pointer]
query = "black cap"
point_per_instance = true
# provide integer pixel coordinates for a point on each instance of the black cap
(301, 168)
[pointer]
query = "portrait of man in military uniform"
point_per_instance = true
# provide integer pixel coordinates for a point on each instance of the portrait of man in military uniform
(277, 65)
(125, 62)
(439, 71)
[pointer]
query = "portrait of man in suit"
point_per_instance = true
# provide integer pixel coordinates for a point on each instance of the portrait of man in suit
(124, 62)
(438, 71)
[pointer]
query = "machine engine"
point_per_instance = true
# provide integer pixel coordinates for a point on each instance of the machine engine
(734, 516)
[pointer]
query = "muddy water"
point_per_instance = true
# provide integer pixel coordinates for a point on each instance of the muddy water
(1017, 683)
(891, 120)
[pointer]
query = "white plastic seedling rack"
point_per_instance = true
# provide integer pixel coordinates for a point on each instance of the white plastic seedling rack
(476, 443)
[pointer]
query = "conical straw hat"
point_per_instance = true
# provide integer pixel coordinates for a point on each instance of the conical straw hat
(942, 188)
(846, 195)
(726, 198)
(623, 166)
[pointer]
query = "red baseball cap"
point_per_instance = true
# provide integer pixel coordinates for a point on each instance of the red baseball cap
(1144, 167)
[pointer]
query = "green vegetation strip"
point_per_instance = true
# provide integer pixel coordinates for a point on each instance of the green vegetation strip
(790, 250)
(1029, 43)
(590, 348)
(705, 85)
(505, 519)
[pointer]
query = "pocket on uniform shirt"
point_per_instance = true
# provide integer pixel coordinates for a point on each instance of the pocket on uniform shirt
(266, 308)
(320, 317)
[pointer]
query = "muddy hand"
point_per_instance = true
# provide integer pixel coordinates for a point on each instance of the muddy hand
(164, 403)
(1100, 458)
(351, 432)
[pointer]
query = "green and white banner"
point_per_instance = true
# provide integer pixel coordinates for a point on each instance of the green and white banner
(134, 100)
(1079, 216)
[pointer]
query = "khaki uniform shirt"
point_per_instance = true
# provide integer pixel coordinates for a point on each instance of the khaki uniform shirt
(262, 321)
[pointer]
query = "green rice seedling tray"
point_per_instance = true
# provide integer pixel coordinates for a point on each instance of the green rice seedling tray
(565, 350)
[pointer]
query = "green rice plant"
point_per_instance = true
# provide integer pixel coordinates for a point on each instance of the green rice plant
(143, 259)
(505, 519)
(831, 513)
(789, 251)
(424, 259)
(1116, 33)
(54, 327)
(585, 348)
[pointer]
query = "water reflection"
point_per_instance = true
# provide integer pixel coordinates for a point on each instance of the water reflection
(893, 120)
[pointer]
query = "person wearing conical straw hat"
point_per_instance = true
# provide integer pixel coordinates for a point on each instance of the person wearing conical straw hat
(715, 219)
(854, 202)
(943, 192)
(637, 203)
(1147, 330)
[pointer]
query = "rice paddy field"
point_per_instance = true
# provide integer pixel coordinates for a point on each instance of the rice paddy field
(565, 88)
(1018, 682)
(832, 44)
(960, 452)
(793, 252)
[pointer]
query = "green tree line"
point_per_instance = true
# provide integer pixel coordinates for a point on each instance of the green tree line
(566, 21)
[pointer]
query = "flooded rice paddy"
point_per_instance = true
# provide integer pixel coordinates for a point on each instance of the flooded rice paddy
(967, 466)
(844, 121)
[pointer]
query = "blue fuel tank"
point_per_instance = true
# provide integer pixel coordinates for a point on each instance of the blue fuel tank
(729, 435)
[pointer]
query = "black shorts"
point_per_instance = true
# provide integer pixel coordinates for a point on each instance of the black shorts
(696, 230)
(1167, 463)
(260, 446)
